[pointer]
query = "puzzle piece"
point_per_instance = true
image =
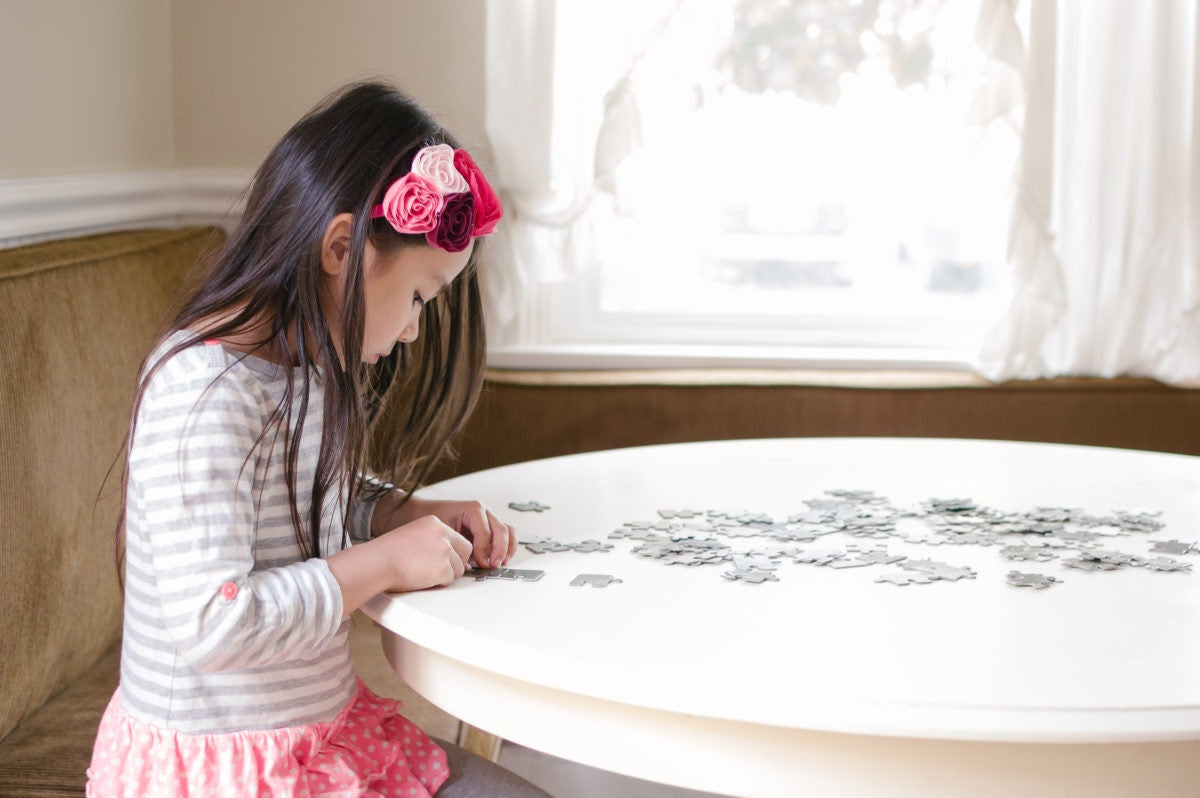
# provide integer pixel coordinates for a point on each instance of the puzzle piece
(846, 563)
(1058, 515)
(1139, 520)
(1167, 564)
(928, 538)
(1175, 547)
(544, 545)
(509, 574)
(679, 513)
(952, 505)
(1111, 557)
(1082, 564)
(1036, 581)
(906, 579)
(984, 539)
(754, 576)
(589, 546)
(881, 557)
(818, 555)
(747, 561)
(862, 496)
(528, 507)
(1027, 553)
(939, 570)
(661, 526)
(595, 580)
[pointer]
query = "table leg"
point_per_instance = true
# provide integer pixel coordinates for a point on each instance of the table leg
(479, 742)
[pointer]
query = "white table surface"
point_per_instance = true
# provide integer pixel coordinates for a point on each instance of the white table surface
(826, 681)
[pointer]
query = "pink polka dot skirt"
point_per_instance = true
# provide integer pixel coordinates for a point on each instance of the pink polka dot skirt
(367, 750)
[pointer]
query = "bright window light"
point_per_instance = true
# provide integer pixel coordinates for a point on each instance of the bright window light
(812, 181)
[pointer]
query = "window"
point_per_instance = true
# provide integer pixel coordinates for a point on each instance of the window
(812, 184)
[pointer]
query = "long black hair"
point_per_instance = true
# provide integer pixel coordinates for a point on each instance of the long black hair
(339, 158)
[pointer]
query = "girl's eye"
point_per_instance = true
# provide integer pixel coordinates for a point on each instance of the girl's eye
(418, 301)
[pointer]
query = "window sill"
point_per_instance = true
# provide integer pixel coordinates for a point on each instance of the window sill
(727, 365)
(567, 365)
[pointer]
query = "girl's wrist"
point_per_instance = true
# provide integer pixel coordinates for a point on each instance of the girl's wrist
(393, 511)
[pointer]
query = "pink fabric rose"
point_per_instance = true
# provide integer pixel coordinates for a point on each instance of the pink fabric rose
(454, 230)
(436, 164)
(488, 209)
(412, 204)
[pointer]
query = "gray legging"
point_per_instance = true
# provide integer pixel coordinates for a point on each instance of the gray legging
(473, 776)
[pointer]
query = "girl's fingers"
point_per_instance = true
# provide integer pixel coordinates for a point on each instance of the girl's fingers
(512, 544)
(475, 525)
(462, 550)
(501, 540)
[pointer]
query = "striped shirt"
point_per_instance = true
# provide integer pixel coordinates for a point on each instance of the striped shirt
(227, 626)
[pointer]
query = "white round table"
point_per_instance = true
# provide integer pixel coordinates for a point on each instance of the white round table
(826, 682)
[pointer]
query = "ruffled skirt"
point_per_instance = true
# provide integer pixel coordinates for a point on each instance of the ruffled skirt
(367, 750)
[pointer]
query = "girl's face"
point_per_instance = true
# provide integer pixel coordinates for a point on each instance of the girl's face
(396, 286)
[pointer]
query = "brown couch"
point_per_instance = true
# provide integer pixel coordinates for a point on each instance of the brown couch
(76, 316)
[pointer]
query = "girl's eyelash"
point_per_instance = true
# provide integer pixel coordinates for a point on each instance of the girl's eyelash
(418, 300)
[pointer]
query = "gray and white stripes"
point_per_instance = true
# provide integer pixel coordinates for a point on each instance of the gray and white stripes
(227, 628)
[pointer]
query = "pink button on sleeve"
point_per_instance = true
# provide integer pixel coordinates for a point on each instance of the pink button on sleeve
(229, 591)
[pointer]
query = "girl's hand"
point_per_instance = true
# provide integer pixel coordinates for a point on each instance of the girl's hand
(418, 555)
(425, 553)
(493, 542)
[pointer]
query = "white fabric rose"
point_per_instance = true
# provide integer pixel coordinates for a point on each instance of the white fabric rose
(436, 164)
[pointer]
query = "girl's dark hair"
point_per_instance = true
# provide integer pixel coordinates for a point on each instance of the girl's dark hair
(338, 159)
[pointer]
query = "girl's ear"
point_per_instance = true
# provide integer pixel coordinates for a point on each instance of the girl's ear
(335, 245)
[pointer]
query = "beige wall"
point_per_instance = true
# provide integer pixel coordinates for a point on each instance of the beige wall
(96, 86)
(85, 87)
(245, 71)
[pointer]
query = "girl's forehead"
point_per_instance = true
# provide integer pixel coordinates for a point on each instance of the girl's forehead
(424, 262)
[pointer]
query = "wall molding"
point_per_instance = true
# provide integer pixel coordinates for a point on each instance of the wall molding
(40, 209)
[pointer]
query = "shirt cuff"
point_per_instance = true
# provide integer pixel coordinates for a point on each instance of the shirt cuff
(358, 522)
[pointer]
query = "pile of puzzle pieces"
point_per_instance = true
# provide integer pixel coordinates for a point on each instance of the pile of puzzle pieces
(690, 537)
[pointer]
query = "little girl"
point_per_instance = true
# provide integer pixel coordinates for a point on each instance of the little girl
(245, 474)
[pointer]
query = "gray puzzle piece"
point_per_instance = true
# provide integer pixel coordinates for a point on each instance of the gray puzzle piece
(1027, 553)
(528, 507)
(1166, 564)
(589, 546)
(544, 545)
(754, 576)
(1036, 581)
(595, 580)
(906, 579)
(509, 574)
(1174, 547)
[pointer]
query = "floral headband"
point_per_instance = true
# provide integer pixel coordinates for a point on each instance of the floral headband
(445, 196)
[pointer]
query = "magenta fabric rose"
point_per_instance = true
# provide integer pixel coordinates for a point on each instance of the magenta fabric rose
(412, 204)
(488, 209)
(436, 164)
(455, 229)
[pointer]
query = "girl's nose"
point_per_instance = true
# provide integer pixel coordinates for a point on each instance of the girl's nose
(410, 332)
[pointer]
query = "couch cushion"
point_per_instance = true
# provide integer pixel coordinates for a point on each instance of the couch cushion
(49, 753)
(78, 317)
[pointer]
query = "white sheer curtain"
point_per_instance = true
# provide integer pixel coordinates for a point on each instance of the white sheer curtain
(1105, 239)
(558, 118)
(1106, 229)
